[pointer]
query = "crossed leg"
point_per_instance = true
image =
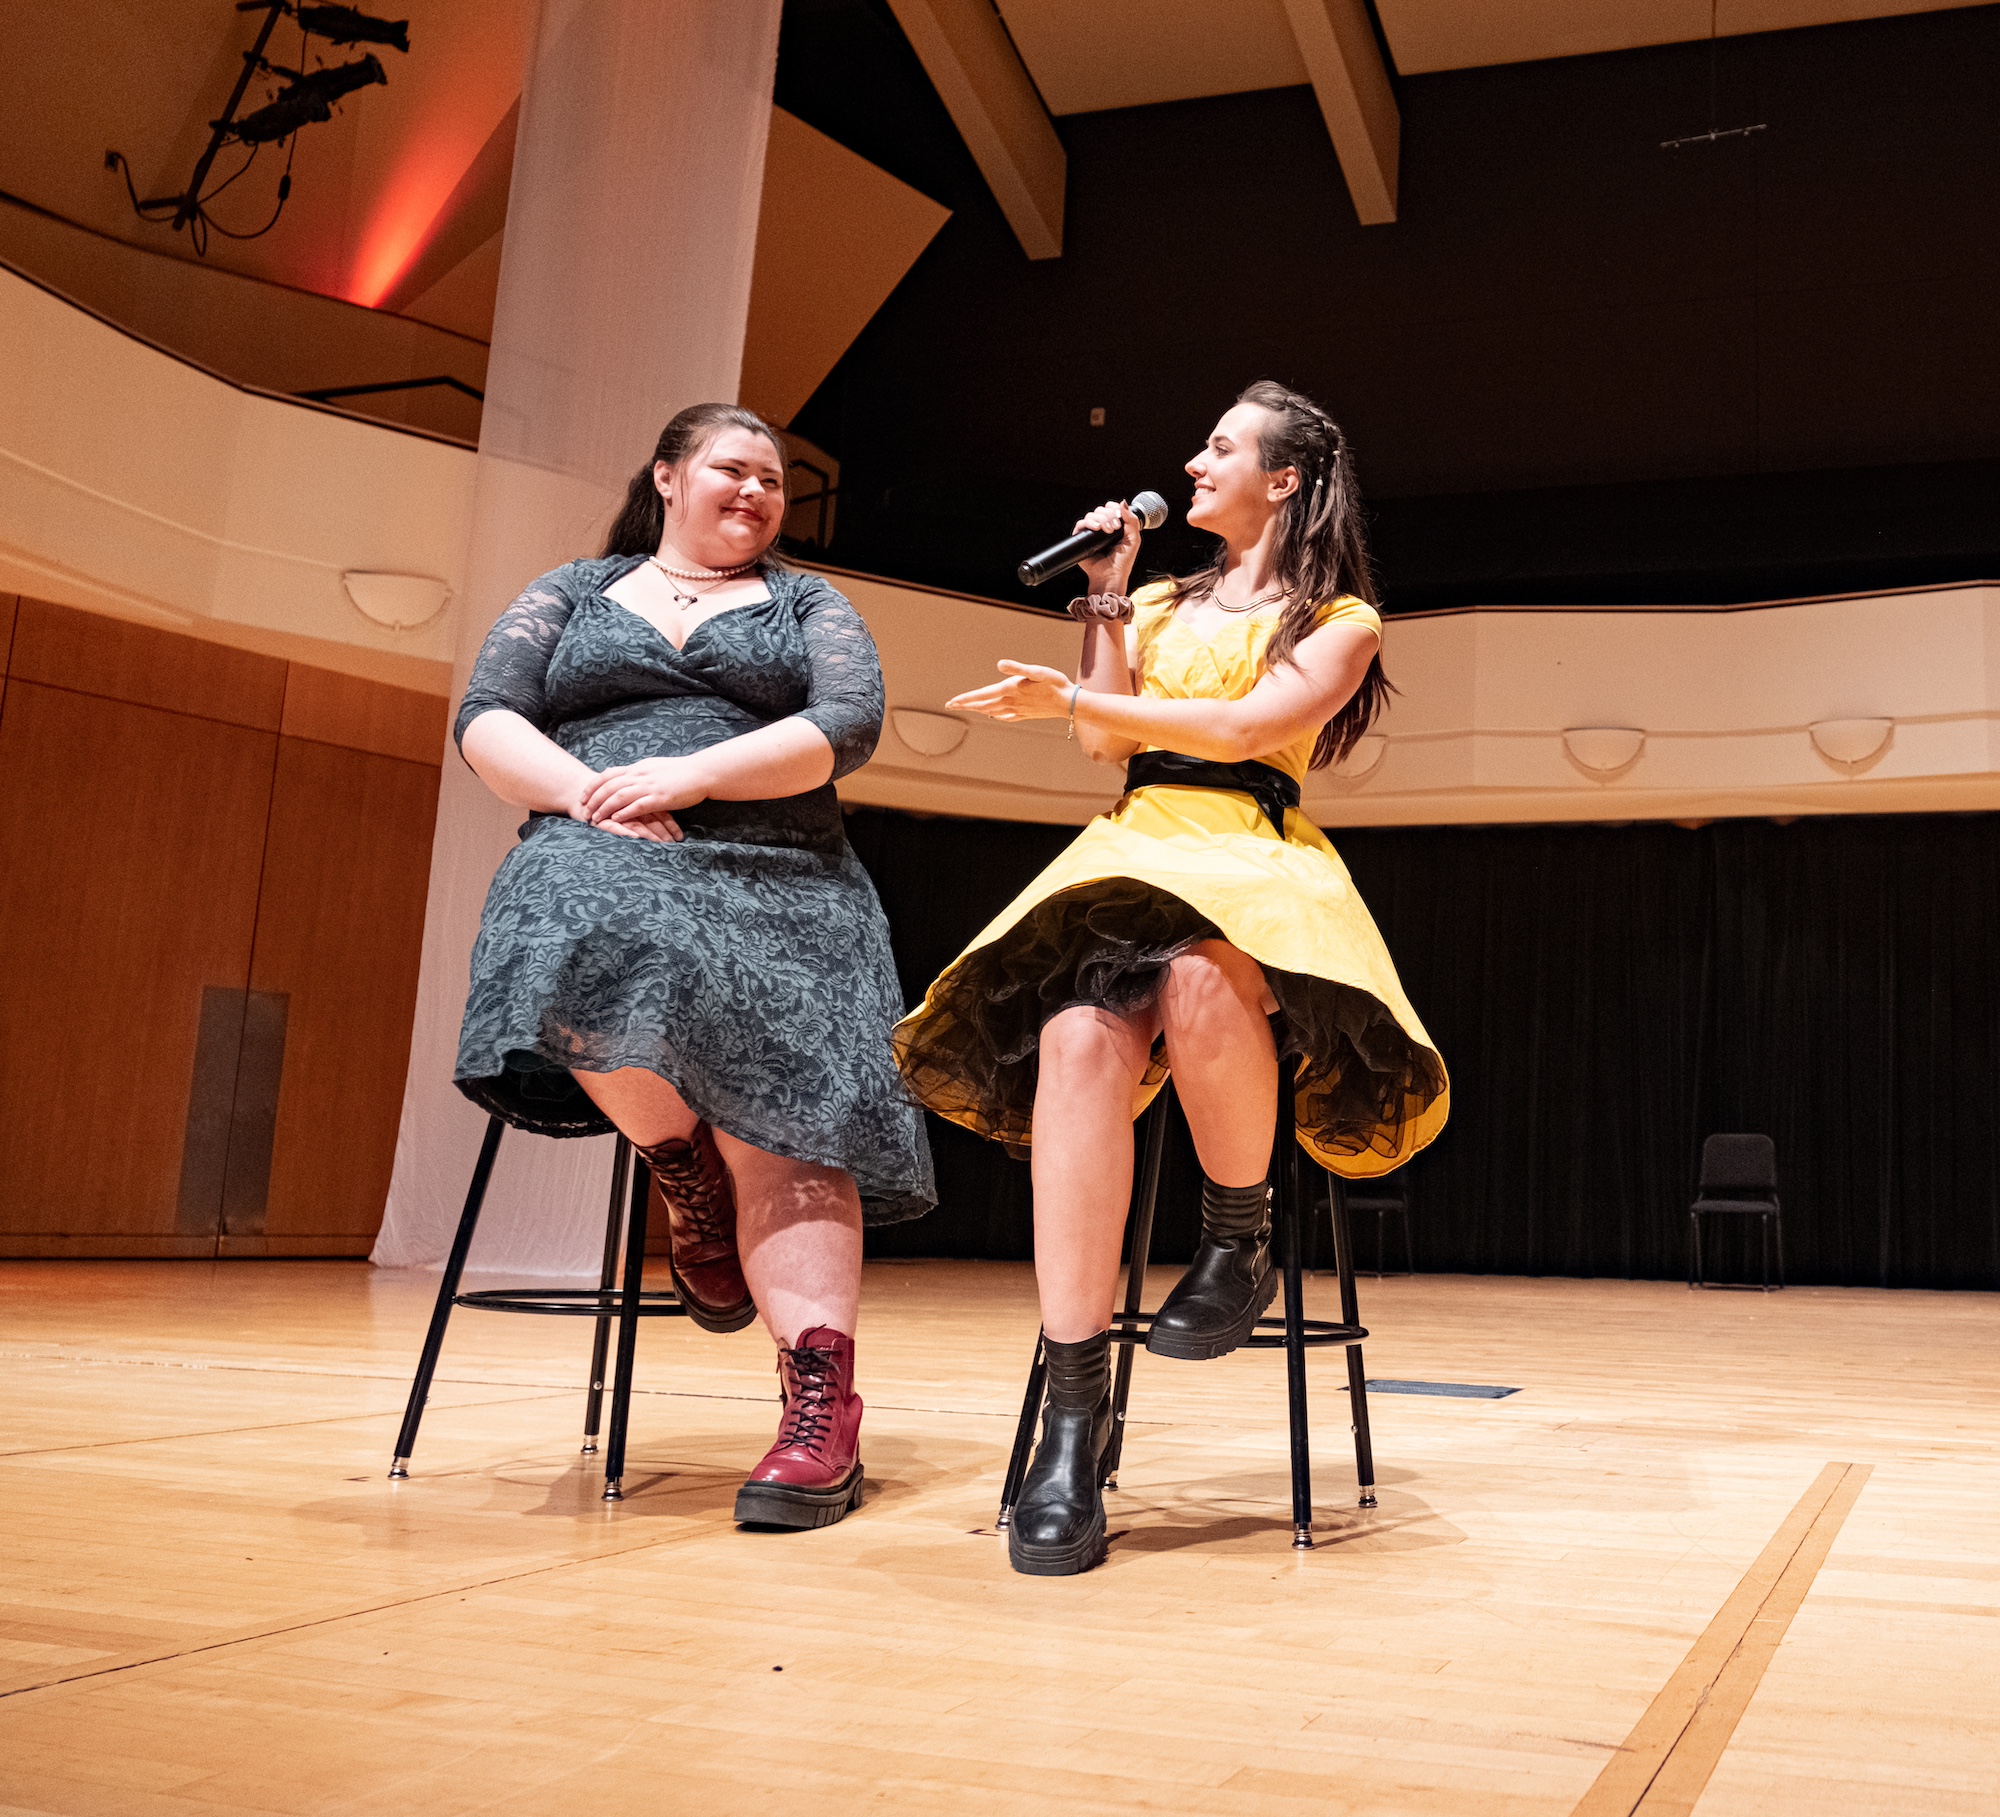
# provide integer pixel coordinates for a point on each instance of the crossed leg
(798, 1226)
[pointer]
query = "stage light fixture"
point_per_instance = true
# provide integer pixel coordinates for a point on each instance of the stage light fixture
(308, 97)
(344, 25)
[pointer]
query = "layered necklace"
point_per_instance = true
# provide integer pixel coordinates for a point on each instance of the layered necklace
(711, 575)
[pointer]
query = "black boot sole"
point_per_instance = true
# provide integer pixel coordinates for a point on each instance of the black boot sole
(778, 1505)
(1205, 1346)
(1070, 1559)
(719, 1319)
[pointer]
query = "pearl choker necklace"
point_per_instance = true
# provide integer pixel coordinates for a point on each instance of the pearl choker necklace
(701, 573)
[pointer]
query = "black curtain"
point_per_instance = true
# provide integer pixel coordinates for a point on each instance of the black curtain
(1605, 997)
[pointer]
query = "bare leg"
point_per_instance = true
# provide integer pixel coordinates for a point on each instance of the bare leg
(647, 1110)
(1091, 1064)
(798, 1228)
(1215, 1008)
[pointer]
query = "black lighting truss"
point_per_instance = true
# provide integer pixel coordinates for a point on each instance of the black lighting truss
(307, 97)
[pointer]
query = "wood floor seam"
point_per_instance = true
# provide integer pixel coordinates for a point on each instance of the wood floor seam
(329, 1419)
(84, 1675)
(1662, 1766)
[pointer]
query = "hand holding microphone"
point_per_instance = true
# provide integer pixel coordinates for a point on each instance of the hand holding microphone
(1104, 545)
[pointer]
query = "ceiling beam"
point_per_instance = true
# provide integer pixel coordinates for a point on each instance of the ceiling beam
(1338, 44)
(991, 98)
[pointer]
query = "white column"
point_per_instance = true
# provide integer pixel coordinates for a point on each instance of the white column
(624, 284)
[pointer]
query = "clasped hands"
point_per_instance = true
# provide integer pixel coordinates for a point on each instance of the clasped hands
(635, 800)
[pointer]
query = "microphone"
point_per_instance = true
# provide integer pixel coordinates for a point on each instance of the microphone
(1148, 507)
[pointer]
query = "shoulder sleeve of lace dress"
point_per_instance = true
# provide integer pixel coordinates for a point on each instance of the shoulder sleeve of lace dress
(513, 665)
(844, 697)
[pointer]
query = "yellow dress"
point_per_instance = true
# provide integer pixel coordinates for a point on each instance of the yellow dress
(1169, 866)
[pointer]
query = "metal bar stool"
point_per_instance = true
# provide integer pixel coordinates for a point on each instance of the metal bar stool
(1295, 1334)
(606, 1302)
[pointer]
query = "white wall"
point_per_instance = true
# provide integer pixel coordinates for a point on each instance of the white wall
(133, 483)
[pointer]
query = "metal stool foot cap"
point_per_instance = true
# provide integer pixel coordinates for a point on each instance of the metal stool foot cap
(1368, 1495)
(590, 1444)
(1111, 1481)
(614, 1489)
(399, 1469)
(1302, 1539)
(1003, 1520)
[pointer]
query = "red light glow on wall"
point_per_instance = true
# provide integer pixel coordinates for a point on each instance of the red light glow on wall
(400, 222)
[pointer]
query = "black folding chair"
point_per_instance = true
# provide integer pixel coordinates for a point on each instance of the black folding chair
(1386, 1198)
(606, 1302)
(1294, 1333)
(1739, 1179)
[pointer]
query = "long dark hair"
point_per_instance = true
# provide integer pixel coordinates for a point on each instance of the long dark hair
(642, 519)
(1322, 549)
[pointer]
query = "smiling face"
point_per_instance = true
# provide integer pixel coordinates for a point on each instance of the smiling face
(1234, 498)
(725, 502)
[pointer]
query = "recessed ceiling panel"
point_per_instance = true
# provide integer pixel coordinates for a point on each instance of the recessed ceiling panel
(1086, 55)
(1467, 34)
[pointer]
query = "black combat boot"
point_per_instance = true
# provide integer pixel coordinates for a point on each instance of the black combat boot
(1057, 1527)
(1218, 1301)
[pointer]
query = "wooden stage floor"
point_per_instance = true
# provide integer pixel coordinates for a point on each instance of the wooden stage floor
(1633, 1585)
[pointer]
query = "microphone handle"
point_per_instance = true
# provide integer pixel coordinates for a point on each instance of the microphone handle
(1066, 554)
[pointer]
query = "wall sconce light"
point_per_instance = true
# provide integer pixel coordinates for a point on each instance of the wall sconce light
(928, 734)
(1604, 750)
(1364, 760)
(402, 602)
(1848, 742)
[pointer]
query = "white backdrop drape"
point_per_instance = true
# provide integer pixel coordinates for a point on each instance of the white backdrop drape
(624, 286)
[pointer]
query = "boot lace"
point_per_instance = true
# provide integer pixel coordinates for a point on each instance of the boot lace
(699, 1193)
(809, 1408)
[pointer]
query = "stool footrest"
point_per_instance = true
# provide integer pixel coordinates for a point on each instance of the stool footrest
(571, 1302)
(1133, 1327)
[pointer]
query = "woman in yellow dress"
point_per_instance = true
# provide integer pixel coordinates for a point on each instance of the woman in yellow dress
(1176, 927)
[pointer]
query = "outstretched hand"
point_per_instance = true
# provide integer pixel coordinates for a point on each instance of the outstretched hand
(1028, 691)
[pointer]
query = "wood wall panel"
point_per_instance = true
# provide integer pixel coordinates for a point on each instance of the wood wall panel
(340, 932)
(9, 603)
(364, 715)
(92, 654)
(131, 841)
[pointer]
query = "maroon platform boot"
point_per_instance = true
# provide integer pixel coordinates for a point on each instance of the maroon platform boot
(812, 1475)
(701, 1231)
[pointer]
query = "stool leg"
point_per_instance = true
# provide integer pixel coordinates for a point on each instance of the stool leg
(1357, 1373)
(454, 1270)
(1694, 1249)
(1286, 1180)
(1409, 1246)
(1764, 1245)
(600, 1342)
(1135, 1277)
(1024, 1436)
(1778, 1231)
(628, 1339)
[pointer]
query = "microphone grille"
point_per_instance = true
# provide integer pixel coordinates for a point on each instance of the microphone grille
(1150, 509)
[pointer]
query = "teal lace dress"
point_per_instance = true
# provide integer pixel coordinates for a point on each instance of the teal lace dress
(749, 964)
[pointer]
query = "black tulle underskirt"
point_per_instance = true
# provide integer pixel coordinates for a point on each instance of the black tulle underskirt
(972, 1055)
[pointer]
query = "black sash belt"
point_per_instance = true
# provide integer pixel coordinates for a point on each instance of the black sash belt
(1271, 789)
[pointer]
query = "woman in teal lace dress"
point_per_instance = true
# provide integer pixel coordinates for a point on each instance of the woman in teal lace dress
(683, 946)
